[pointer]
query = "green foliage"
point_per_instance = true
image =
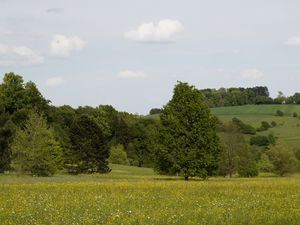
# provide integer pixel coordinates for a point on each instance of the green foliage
(295, 114)
(141, 142)
(264, 126)
(283, 159)
(243, 128)
(247, 167)
(89, 151)
(273, 124)
(264, 164)
(187, 143)
(117, 155)
(154, 111)
(15, 95)
(34, 148)
(232, 142)
(236, 96)
(6, 133)
(279, 113)
(236, 155)
(260, 140)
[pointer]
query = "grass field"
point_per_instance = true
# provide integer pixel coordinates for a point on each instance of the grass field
(288, 129)
(130, 195)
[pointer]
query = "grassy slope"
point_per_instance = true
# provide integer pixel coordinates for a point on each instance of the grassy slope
(287, 130)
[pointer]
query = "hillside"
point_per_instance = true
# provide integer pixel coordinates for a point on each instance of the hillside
(288, 128)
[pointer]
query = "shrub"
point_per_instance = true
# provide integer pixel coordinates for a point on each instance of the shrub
(242, 127)
(259, 140)
(118, 155)
(295, 114)
(273, 124)
(264, 126)
(264, 164)
(279, 113)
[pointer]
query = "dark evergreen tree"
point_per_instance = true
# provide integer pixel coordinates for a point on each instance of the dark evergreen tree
(6, 134)
(89, 151)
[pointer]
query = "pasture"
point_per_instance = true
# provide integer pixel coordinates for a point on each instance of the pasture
(287, 129)
(130, 195)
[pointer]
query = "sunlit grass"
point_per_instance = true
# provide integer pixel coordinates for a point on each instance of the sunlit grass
(141, 197)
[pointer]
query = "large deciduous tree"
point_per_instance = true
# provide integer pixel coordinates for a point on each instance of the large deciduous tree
(187, 141)
(283, 159)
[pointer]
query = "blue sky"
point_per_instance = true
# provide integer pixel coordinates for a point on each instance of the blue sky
(131, 53)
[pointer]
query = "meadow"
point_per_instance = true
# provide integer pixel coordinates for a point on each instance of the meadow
(131, 195)
(287, 129)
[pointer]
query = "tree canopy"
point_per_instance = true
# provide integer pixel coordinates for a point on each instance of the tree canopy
(187, 141)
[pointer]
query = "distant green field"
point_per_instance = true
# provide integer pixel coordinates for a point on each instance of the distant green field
(288, 129)
(131, 195)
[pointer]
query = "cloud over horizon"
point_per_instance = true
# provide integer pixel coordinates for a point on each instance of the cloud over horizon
(54, 81)
(63, 46)
(251, 74)
(165, 31)
(131, 74)
(19, 56)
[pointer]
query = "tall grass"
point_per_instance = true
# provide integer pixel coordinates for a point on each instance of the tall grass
(148, 199)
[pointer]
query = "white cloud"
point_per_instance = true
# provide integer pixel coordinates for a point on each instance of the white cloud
(19, 56)
(163, 32)
(62, 46)
(293, 41)
(28, 55)
(131, 74)
(251, 74)
(54, 81)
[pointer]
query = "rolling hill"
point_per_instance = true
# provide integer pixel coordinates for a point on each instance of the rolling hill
(287, 129)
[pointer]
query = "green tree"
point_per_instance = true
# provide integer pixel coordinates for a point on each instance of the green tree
(265, 164)
(236, 155)
(295, 114)
(283, 159)
(232, 141)
(89, 150)
(16, 95)
(259, 140)
(154, 111)
(279, 113)
(35, 149)
(12, 92)
(264, 126)
(139, 149)
(118, 155)
(6, 133)
(187, 143)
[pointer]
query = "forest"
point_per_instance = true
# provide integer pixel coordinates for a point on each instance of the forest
(183, 138)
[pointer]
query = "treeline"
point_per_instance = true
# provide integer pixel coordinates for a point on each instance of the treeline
(245, 96)
(38, 138)
(187, 140)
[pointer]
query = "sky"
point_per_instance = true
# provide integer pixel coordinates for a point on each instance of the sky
(130, 54)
